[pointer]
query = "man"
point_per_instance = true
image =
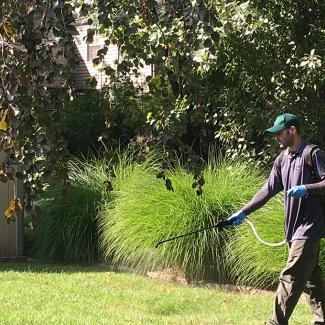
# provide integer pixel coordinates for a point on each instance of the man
(304, 222)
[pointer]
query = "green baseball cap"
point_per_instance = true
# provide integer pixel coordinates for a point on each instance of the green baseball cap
(284, 121)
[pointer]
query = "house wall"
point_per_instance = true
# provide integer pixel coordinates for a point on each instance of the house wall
(11, 235)
(86, 68)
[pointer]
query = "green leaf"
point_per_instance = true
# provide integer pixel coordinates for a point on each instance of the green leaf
(169, 185)
(92, 82)
(90, 35)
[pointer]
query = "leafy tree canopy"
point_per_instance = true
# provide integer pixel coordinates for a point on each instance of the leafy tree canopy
(224, 68)
(36, 58)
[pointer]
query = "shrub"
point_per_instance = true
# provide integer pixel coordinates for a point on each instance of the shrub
(125, 114)
(82, 121)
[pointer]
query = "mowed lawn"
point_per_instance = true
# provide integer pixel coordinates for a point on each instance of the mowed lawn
(35, 293)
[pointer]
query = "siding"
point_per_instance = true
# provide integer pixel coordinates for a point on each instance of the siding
(86, 68)
(11, 235)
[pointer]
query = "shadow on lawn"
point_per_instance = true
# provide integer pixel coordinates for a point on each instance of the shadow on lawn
(49, 267)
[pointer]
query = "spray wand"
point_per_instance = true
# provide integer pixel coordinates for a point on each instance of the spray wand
(220, 225)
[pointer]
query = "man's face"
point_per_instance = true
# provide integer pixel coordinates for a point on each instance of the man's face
(284, 138)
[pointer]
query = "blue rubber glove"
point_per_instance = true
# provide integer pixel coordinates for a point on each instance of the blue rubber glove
(237, 218)
(297, 191)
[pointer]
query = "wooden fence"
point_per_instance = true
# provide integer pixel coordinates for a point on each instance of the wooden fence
(11, 234)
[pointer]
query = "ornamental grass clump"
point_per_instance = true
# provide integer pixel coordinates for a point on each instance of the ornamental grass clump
(67, 227)
(251, 262)
(144, 212)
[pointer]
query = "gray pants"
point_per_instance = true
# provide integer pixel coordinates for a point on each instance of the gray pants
(301, 274)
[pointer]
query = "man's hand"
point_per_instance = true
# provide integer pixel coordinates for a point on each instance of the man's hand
(237, 218)
(297, 191)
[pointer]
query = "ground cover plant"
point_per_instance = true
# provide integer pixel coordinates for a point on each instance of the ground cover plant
(143, 212)
(66, 227)
(93, 295)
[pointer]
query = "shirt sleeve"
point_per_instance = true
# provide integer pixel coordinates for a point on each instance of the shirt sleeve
(270, 188)
(318, 188)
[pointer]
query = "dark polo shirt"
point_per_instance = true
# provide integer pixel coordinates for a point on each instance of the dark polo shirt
(304, 216)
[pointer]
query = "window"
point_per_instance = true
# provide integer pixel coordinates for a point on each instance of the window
(92, 50)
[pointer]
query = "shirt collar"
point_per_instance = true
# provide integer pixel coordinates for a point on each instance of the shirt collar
(300, 150)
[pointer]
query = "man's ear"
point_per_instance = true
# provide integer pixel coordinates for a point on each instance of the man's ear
(293, 130)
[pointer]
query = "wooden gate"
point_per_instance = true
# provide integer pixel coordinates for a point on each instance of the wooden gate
(11, 235)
